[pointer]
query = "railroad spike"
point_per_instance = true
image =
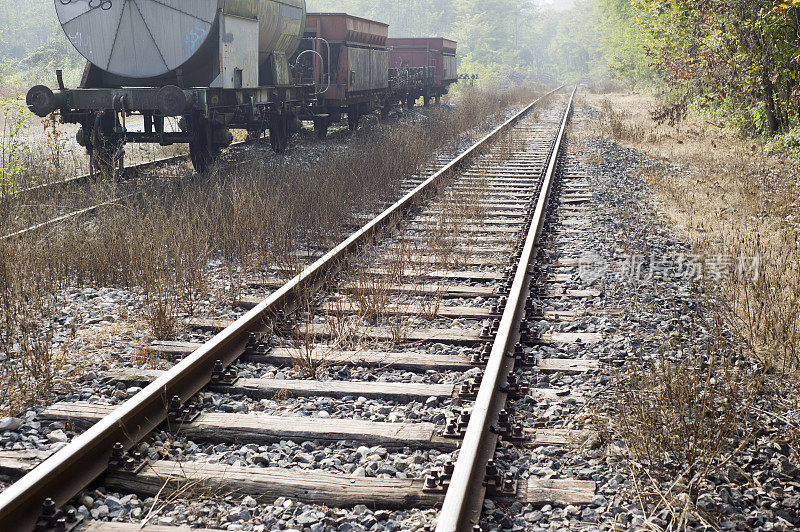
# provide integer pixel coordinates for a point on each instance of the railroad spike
(448, 468)
(465, 389)
(175, 405)
(47, 516)
(451, 428)
(431, 484)
(251, 347)
(502, 417)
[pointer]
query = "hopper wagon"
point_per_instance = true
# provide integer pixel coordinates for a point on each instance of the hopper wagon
(429, 64)
(348, 59)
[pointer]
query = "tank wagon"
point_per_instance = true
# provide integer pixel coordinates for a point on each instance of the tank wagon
(218, 65)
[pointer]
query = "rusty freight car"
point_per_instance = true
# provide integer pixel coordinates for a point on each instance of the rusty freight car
(347, 58)
(431, 61)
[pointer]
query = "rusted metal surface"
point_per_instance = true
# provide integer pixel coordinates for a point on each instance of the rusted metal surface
(359, 61)
(368, 69)
(341, 27)
(464, 498)
(438, 53)
(85, 458)
(61, 219)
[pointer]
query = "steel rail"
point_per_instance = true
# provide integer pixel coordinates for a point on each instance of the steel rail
(71, 469)
(127, 171)
(62, 218)
(78, 179)
(85, 177)
(464, 498)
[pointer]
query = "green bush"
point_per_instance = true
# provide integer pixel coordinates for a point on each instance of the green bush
(786, 144)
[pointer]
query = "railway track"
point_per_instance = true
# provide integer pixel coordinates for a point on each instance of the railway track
(418, 311)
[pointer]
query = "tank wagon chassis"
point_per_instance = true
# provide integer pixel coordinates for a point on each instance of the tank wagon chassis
(206, 117)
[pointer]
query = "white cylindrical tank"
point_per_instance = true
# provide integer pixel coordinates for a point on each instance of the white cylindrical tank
(150, 38)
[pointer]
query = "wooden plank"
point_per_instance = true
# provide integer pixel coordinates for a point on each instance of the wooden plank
(208, 324)
(445, 290)
(571, 337)
(580, 294)
(568, 365)
(506, 230)
(14, 464)
(267, 484)
(496, 243)
(390, 391)
(101, 526)
(556, 491)
(494, 212)
(262, 429)
(462, 260)
(409, 361)
(454, 336)
(270, 388)
(487, 222)
(394, 309)
(172, 350)
(491, 194)
(575, 199)
(557, 437)
(469, 275)
(401, 334)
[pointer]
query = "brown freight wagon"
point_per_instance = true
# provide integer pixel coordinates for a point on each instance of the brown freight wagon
(348, 60)
(437, 54)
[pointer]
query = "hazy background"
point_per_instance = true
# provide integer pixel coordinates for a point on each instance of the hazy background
(502, 40)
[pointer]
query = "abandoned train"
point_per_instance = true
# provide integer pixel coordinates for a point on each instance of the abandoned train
(217, 65)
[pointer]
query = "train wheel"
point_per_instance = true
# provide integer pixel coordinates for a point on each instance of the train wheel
(279, 133)
(105, 147)
(321, 128)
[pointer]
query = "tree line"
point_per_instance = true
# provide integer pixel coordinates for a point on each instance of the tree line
(740, 58)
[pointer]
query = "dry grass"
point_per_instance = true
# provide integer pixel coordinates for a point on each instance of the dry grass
(247, 216)
(735, 205)
(687, 415)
